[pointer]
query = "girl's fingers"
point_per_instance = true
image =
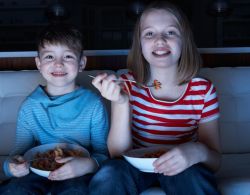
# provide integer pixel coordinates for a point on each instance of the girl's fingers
(97, 81)
(165, 157)
(175, 169)
(105, 83)
(167, 166)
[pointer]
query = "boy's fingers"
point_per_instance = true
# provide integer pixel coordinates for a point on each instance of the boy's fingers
(18, 159)
(64, 160)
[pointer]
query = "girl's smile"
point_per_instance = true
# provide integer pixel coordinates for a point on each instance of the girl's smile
(161, 52)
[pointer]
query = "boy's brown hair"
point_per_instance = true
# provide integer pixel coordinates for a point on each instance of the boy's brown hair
(190, 60)
(62, 34)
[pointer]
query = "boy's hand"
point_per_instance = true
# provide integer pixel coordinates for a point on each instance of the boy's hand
(73, 167)
(178, 159)
(18, 166)
(108, 88)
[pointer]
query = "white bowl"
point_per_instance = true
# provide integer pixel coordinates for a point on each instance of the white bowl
(30, 154)
(137, 158)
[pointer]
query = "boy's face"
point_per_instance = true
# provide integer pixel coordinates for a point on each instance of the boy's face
(59, 65)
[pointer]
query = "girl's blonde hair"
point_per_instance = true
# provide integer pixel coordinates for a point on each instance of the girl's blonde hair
(190, 60)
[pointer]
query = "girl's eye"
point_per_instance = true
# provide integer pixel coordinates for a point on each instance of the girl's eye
(170, 33)
(148, 34)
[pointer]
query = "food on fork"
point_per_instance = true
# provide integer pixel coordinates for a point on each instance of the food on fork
(157, 84)
(46, 160)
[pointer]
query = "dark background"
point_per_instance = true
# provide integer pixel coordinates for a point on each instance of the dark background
(108, 24)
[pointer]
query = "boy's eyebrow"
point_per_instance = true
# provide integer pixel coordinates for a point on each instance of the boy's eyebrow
(44, 51)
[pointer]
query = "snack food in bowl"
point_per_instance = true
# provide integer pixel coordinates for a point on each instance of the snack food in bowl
(42, 158)
(143, 158)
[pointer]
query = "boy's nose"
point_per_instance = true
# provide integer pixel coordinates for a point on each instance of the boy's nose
(58, 63)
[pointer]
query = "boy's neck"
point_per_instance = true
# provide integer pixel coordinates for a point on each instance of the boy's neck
(57, 91)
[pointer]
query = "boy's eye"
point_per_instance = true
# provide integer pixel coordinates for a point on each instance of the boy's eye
(49, 57)
(69, 57)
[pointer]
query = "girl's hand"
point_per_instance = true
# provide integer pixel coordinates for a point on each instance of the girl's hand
(178, 159)
(18, 166)
(108, 88)
(73, 167)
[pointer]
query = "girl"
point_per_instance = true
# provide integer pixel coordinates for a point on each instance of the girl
(181, 111)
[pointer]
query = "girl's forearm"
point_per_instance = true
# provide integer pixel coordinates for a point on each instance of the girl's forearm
(209, 157)
(120, 139)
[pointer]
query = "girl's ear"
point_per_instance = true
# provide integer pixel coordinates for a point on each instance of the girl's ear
(82, 64)
(38, 63)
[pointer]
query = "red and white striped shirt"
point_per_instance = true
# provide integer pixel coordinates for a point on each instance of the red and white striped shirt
(157, 122)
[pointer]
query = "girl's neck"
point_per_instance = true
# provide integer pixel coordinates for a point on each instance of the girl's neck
(166, 76)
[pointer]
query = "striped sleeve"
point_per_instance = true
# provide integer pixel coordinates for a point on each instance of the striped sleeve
(127, 86)
(211, 106)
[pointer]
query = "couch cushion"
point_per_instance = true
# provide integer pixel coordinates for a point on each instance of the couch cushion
(14, 87)
(233, 90)
(234, 165)
(233, 186)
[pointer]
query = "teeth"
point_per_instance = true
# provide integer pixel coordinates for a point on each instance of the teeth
(160, 52)
(58, 73)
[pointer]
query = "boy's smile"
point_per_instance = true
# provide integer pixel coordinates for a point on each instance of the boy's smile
(59, 74)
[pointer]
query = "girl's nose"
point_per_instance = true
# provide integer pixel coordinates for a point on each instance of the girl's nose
(160, 38)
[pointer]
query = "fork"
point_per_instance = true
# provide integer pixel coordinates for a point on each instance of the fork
(124, 80)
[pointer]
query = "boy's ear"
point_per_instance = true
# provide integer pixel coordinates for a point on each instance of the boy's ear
(38, 63)
(83, 63)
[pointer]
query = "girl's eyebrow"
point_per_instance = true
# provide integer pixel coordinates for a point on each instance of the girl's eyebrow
(168, 26)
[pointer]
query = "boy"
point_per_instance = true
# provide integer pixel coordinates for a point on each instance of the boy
(61, 111)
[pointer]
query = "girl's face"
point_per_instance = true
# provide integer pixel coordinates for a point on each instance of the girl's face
(59, 65)
(160, 39)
